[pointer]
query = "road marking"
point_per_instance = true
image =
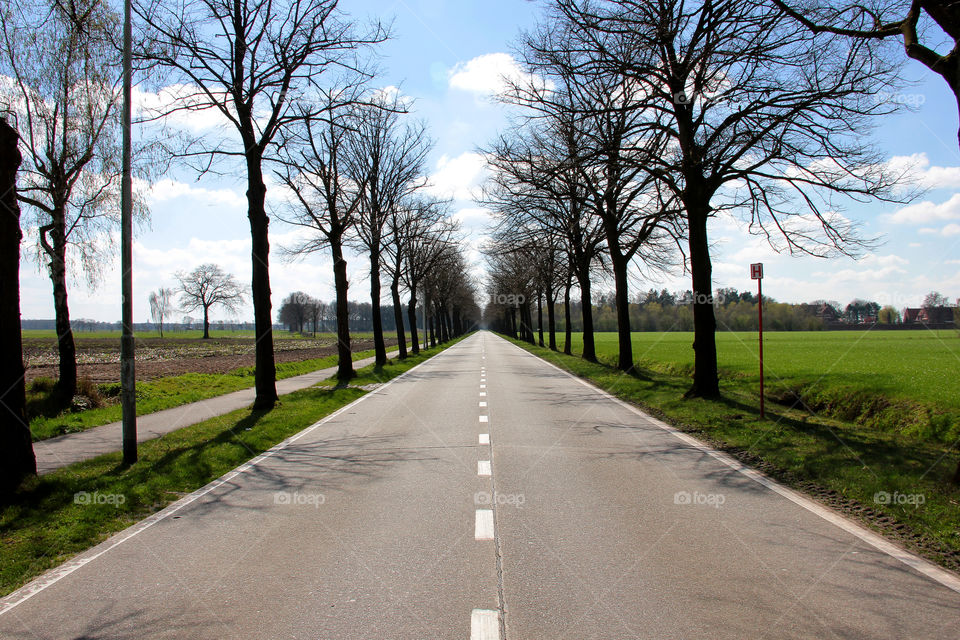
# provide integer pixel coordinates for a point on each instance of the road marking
(483, 404)
(880, 543)
(483, 468)
(484, 419)
(483, 386)
(484, 438)
(484, 624)
(483, 528)
(483, 394)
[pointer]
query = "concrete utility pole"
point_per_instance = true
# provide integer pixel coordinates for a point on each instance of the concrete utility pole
(128, 393)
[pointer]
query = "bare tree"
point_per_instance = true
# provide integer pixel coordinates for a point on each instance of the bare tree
(425, 253)
(410, 222)
(760, 116)
(536, 184)
(65, 94)
(295, 310)
(889, 19)
(324, 201)
(388, 158)
(254, 62)
(161, 306)
(205, 287)
(17, 460)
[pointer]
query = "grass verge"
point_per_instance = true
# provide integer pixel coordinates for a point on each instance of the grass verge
(157, 395)
(49, 520)
(893, 482)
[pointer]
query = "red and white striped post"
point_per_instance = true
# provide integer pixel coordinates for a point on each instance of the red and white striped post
(756, 273)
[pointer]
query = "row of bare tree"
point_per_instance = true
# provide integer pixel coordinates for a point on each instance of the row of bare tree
(290, 83)
(641, 120)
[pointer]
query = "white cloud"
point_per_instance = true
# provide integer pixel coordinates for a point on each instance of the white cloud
(473, 217)
(457, 177)
(917, 167)
(202, 115)
(951, 229)
(873, 267)
(486, 73)
(169, 189)
(927, 211)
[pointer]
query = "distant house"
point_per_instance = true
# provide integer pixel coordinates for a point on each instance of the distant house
(936, 315)
(828, 314)
(928, 315)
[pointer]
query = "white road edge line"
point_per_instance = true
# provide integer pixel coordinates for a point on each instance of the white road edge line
(483, 525)
(483, 468)
(878, 542)
(56, 574)
(484, 438)
(484, 624)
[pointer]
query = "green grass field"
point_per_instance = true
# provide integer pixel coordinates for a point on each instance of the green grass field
(915, 365)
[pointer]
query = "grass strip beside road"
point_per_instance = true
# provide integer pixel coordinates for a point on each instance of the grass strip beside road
(48, 523)
(173, 391)
(893, 483)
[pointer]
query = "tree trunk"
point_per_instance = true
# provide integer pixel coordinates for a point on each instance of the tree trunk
(568, 328)
(344, 356)
(398, 317)
(67, 383)
(527, 319)
(442, 323)
(266, 369)
(379, 347)
(586, 313)
(412, 317)
(17, 460)
(622, 297)
(428, 320)
(551, 320)
(540, 318)
(706, 384)
(206, 323)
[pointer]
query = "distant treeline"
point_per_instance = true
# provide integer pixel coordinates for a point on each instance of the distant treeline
(302, 313)
(735, 311)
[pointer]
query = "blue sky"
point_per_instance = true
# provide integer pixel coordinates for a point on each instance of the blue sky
(448, 56)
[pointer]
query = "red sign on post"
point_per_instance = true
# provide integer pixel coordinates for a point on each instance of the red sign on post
(756, 273)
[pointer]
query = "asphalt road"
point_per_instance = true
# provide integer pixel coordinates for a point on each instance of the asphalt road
(484, 495)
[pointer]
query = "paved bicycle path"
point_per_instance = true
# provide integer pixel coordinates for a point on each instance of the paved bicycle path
(61, 451)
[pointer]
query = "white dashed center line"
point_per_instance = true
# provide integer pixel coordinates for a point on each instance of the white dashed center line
(484, 624)
(483, 404)
(484, 438)
(483, 528)
(483, 468)
(484, 419)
